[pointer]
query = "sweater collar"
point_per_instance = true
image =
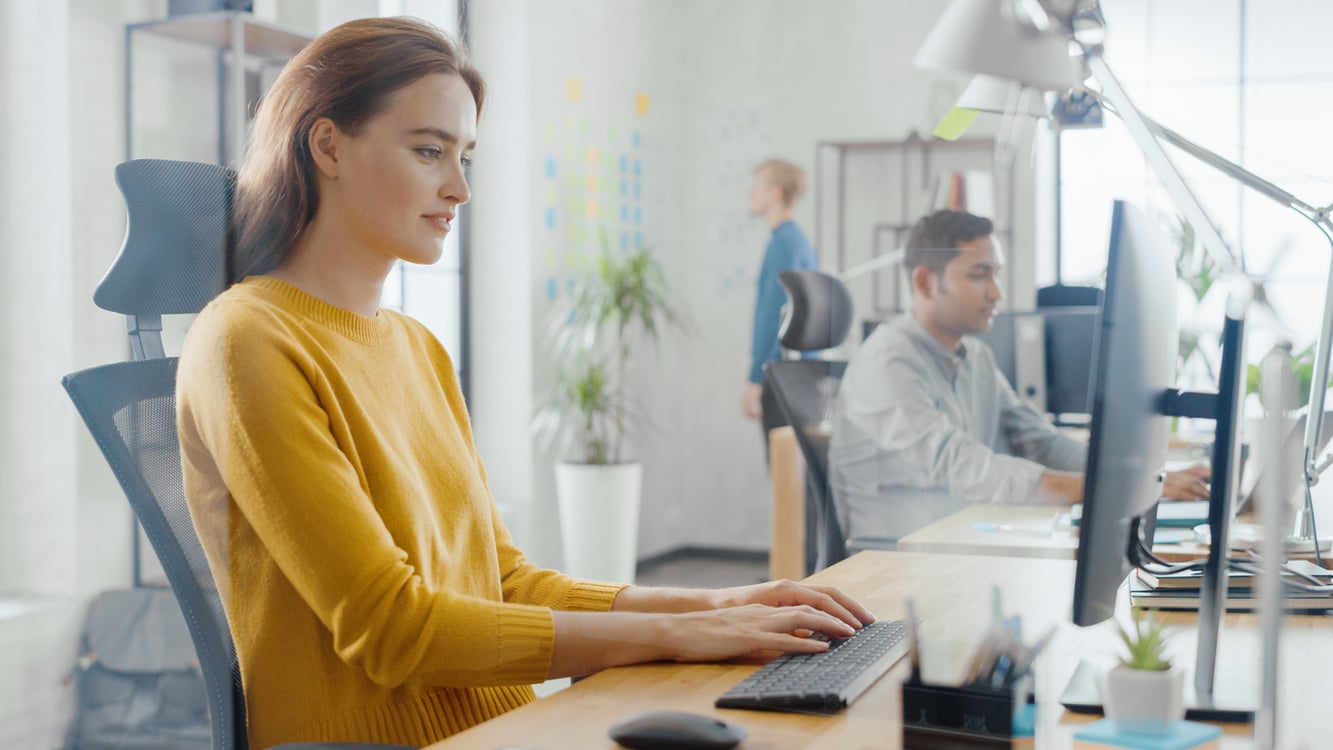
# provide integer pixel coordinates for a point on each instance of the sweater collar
(356, 327)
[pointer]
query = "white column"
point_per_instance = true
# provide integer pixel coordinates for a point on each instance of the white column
(501, 275)
(38, 484)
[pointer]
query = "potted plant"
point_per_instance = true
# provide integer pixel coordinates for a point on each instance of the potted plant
(1144, 693)
(592, 410)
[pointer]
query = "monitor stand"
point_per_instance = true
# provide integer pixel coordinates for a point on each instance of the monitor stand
(1235, 700)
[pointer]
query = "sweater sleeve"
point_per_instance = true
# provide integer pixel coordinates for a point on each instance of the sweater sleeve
(769, 299)
(526, 583)
(250, 416)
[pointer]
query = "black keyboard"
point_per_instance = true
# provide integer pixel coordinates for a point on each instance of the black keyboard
(823, 682)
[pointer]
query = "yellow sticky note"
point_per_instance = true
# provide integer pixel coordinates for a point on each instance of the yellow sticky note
(641, 103)
(592, 209)
(574, 89)
(592, 155)
(956, 121)
(592, 182)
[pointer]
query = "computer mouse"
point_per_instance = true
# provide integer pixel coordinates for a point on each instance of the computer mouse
(674, 730)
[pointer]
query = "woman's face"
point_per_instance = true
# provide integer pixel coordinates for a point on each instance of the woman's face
(399, 180)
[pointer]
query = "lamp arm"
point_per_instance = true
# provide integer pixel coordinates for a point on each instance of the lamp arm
(874, 264)
(1143, 137)
(1320, 217)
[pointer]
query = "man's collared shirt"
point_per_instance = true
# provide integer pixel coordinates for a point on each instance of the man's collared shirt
(922, 431)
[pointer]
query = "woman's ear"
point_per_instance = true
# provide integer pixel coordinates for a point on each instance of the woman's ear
(323, 142)
(922, 282)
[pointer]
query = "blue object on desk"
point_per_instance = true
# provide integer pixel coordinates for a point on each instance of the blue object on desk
(1183, 736)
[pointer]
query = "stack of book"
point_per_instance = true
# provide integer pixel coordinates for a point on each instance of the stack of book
(1181, 590)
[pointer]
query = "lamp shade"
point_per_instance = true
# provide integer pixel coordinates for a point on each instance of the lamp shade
(990, 94)
(983, 36)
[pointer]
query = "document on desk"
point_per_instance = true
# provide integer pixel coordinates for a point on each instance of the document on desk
(1176, 514)
(1143, 596)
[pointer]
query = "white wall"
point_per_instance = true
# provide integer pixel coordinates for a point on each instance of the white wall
(729, 84)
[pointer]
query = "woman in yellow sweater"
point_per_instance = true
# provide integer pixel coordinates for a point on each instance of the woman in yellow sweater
(372, 590)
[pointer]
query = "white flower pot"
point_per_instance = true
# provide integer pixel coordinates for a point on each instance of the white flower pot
(1143, 700)
(599, 519)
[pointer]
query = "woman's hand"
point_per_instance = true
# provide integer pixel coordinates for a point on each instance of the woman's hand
(790, 594)
(720, 634)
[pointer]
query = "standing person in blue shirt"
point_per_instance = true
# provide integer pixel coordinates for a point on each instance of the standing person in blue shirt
(777, 186)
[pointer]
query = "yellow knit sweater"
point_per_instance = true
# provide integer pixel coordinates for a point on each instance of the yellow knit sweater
(371, 587)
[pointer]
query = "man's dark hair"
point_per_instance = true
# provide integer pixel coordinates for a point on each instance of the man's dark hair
(934, 240)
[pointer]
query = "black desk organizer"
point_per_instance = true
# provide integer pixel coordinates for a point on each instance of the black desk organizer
(940, 717)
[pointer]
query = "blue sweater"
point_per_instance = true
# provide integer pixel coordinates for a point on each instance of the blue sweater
(788, 250)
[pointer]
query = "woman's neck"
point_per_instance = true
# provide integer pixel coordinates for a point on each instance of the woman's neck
(327, 266)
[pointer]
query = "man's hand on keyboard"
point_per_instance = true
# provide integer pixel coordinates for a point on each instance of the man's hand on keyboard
(718, 634)
(788, 593)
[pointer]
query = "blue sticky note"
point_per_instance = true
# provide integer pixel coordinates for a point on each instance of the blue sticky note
(552, 289)
(624, 163)
(550, 218)
(638, 168)
(550, 167)
(624, 240)
(571, 285)
(636, 139)
(624, 212)
(638, 239)
(1183, 736)
(638, 215)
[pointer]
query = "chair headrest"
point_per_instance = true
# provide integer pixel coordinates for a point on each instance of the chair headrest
(174, 257)
(819, 313)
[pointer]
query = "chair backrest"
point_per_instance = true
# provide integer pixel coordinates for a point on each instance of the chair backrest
(805, 391)
(819, 311)
(173, 260)
(130, 409)
(174, 256)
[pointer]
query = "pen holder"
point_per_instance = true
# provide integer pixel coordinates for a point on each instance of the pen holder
(944, 717)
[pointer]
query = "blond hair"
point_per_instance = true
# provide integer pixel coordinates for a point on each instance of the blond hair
(785, 176)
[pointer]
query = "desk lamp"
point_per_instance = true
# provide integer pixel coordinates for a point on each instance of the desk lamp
(1021, 40)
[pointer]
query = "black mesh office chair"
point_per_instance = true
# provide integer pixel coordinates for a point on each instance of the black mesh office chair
(818, 316)
(173, 261)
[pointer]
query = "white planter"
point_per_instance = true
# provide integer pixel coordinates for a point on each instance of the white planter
(599, 519)
(1144, 701)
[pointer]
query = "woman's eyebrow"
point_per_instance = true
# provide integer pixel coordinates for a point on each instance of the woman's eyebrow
(443, 135)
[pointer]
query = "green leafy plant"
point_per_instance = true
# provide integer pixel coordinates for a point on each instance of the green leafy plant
(1302, 365)
(625, 301)
(1198, 271)
(1146, 644)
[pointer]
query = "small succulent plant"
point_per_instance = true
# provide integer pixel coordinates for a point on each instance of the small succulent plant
(1146, 644)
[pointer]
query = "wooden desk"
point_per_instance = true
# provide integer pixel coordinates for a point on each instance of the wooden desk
(951, 593)
(957, 535)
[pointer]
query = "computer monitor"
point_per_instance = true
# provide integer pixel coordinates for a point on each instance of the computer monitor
(1133, 398)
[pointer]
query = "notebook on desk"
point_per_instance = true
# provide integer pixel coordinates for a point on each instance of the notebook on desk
(1143, 596)
(1173, 514)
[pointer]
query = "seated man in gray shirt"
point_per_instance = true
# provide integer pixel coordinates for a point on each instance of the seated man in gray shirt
(926, 422)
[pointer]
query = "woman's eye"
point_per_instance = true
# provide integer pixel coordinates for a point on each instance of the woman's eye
(466, 159)
(430, 152)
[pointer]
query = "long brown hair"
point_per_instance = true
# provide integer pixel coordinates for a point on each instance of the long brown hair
(346, 75)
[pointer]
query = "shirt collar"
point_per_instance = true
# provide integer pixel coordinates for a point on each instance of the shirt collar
(950, 361)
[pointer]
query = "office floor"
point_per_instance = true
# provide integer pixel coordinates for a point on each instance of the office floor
(703, 569)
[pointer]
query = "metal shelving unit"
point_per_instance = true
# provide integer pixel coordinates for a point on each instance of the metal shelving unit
(246, 48)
